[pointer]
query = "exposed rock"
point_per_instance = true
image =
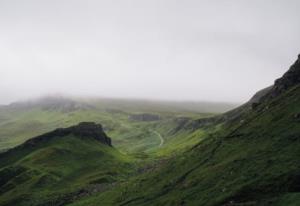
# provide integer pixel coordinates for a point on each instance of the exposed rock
(255, 101)
(82, 130)
(288, 80)
(144, 117)
(182, 123)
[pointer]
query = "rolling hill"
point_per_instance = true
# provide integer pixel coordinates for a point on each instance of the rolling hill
(61, 162)
(23, 120)
(248, 156)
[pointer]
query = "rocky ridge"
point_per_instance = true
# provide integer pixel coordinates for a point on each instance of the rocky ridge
(82, 130)
(290, 79)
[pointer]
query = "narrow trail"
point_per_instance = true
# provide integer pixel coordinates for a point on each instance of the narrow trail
(160, 137)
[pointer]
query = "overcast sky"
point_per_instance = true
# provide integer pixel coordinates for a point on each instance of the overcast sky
(216, 50)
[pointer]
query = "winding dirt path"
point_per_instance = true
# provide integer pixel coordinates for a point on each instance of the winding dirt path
(160, 137)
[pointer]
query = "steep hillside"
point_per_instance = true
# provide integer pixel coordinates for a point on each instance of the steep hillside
(61, 165)
(252, 160)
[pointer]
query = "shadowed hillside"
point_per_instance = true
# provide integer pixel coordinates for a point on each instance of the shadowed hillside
(61, 165)
(253, 159)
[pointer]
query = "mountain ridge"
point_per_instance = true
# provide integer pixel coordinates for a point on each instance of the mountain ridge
(82, 130)
(289, 79)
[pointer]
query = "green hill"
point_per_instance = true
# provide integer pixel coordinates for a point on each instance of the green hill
(23, 120)
(248, 156)
(253, 159)
(47, 167)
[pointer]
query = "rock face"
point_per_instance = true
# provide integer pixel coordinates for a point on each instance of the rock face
(259, 95)
(144, 117)
(289, 79)
(82, 130)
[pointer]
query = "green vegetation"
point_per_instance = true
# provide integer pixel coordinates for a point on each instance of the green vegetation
(65, 168)
(45, 172)
(162, 156)
(19, 123)
(251, 162)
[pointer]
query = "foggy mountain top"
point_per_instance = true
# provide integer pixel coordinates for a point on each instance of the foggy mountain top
(69, 103)
(168, 50)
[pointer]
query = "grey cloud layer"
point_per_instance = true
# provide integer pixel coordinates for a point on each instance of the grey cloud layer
(181, 50)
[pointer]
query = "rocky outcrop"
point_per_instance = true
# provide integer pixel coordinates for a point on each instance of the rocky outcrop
(259, 95)
(82, 130)
(144, 117)
(290, 79)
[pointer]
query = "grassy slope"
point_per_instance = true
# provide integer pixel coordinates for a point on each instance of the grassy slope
(57, 171)
(16, 126)
(250, 162)
(52, 169)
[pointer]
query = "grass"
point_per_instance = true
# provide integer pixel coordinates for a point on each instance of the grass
(18, 125)
(252, 160)
(59, 166)
(56, 171)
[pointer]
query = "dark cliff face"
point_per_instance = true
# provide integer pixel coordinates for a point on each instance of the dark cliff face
(82, 130)
(290, 79)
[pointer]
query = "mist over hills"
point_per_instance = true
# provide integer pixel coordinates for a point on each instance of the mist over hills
(149, 103)
(73, 103)
(160, 155)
